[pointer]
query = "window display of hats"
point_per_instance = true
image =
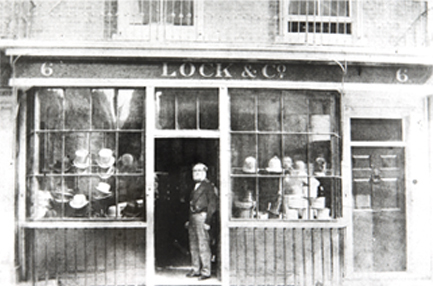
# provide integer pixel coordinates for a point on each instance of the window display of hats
(62, 194)
(82, 159)
(102, 191)
(250, 165)
(79, 201)
(105, 158)
(126, 164)
(274, 165)
(65, 163)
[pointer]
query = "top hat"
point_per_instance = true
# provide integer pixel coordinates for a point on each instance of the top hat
(105, 158)
(79, 201)
(82, 160)
(250, 165)
(274, 165)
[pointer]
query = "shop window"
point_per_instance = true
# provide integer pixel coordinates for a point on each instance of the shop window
(156, 18)
(85, 154)
(285, 148)
(316, 20)
(192, 109)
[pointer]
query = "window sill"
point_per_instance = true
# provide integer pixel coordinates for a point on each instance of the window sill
(315, 39)
(270, 223)
(84, 224)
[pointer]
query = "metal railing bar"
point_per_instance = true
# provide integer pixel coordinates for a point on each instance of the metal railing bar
(75, 256)
(284, 257)
(322, 255)
(275, 257)
(115, 257)
(47, 274)
(294, 257)
(56, 270)
(255, 256)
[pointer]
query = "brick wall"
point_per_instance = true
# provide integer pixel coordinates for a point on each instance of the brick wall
(379, 24)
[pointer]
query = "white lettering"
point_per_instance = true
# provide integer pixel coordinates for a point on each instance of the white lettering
(201, 70)
(220, 70)
(265, 71)
(183, 69)
(165, 71)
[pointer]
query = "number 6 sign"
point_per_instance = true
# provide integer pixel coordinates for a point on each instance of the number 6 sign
(47, 69)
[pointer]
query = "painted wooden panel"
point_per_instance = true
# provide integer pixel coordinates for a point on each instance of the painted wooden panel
(87, 256)
(286, 256)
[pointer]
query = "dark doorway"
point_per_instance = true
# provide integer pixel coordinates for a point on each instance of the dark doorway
(174, 160)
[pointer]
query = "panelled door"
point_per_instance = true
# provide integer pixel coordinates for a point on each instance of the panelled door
(379, 218)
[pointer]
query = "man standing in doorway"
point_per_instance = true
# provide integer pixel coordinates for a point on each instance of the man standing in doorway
(203, 205)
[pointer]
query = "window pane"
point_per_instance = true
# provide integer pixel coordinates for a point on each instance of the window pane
(376, 130)
(209, 113)
(50, 111)
(77, 109)
(179, 12)
(103, 114)
(243, 150)
(130, 108)
(295, 112)
(242, 110)
(269, 148)
(269, 110)
(244, 197)
(165, 109)
(187, 110)
(296, 147)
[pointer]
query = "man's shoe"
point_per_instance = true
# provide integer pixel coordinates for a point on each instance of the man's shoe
(203, 277)
(192, 274)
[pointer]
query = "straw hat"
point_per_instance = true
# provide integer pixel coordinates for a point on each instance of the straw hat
(103, 188)
(79, 201)
(106, 173)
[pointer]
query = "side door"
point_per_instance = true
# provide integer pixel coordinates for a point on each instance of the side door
(379, 215)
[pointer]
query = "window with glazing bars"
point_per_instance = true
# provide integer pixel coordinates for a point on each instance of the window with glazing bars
(85, 154)
(318, 16)
(175, 12)
(285, 154)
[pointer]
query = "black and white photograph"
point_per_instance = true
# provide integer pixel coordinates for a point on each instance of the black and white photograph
(216, 142)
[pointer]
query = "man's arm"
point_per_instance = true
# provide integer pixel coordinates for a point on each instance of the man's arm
(212, 204)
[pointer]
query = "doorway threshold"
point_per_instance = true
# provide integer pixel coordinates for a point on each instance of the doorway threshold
(176, 275)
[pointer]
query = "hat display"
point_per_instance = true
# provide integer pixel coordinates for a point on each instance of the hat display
(274, 165)
(62, 195)
(250, 165)
(105, 158)
(106, 173)
(126, 163)
(323, 213)
(287, 163)
(132, 209)
(295, 202)
(82, 160)
(103, 188)
(79, 201)
(66, 162)
(318, 203)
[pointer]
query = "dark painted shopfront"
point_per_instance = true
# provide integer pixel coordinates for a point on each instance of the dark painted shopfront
(312, 176)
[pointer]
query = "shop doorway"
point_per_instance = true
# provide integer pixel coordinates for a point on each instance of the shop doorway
(174, 159)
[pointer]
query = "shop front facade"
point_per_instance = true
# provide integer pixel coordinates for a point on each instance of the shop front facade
(315, 127)
(320, 170)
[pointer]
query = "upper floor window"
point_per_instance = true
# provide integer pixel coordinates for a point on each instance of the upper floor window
(157, 19)
(315, 21)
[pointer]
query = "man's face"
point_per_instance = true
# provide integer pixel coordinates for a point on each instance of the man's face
(198, 174)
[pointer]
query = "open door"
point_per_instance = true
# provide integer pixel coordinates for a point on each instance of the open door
(174, 159)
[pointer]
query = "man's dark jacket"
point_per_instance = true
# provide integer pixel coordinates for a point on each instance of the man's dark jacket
(204, 199)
